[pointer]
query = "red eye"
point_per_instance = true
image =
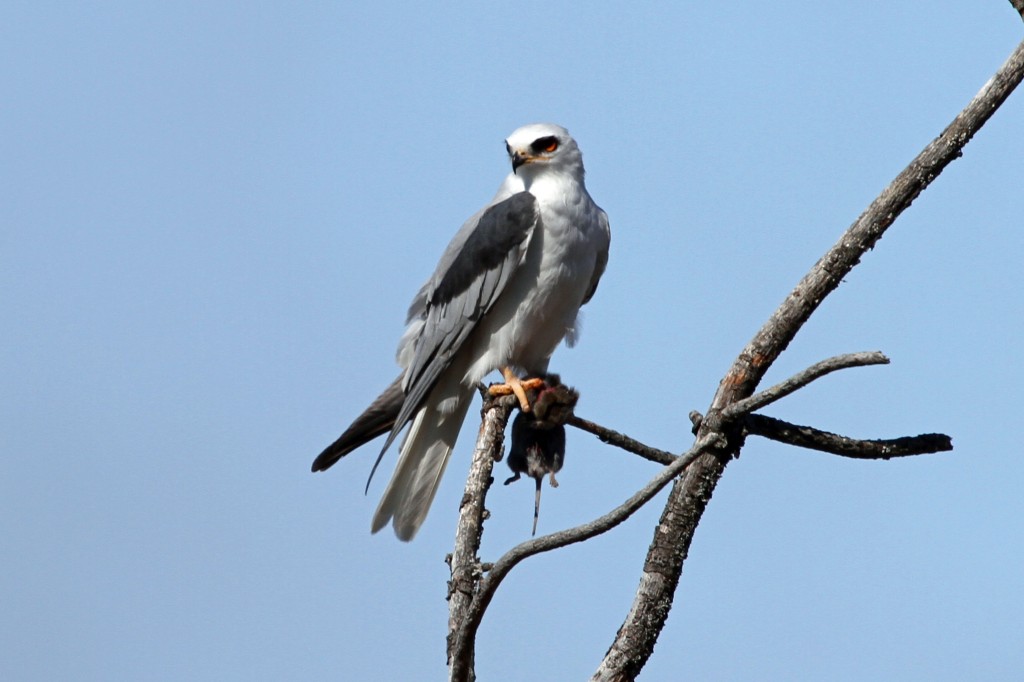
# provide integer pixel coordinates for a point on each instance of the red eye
(545, 144)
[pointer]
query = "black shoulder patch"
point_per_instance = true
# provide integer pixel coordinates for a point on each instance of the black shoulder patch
(500, 229)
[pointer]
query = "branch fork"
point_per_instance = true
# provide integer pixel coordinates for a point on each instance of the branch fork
(719, 434)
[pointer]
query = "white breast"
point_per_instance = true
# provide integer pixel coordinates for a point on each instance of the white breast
(540, 304)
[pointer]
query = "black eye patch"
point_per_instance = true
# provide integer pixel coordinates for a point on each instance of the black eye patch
(544, 144)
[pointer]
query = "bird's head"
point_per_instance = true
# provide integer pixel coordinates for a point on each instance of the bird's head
(542, 147)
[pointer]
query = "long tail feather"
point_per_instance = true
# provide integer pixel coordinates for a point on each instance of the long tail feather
(424, 456)
(378, 419)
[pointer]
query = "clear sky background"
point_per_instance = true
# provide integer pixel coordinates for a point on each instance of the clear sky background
(213, 217)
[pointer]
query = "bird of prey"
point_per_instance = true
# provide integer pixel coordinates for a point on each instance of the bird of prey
(507, 290)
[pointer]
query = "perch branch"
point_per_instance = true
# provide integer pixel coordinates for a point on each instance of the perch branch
(461, 654)
(464, 561)
(634, 642)
(815, 439)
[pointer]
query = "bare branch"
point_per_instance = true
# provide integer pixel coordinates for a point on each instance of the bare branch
(797, 381)
(635, 640)
(464, 562)
(622, 441)
(815, 439)
(461, 653)
(1019, 6)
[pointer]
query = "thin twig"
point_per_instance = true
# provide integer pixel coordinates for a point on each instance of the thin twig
(623, 441)
(815, 439)
(634, 642)
(801, 379)
(466, 634)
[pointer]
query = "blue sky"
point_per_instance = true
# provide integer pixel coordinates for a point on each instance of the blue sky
(213, 217)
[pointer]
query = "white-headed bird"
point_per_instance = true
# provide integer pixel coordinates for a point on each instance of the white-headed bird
(507, 290)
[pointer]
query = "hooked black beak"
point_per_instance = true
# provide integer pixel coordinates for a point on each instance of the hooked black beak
(517, 161)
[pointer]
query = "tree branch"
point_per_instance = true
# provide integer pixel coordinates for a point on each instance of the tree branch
(635, 640)
(1019, 6)
(463, 561)
(622, 441)
(801, 379)
(815, 439)
(461, 652)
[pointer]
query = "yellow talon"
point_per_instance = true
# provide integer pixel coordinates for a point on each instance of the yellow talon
(514, 385)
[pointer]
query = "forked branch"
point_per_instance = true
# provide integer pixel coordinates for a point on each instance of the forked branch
(461, 642)
(635, 640)
(471, 590)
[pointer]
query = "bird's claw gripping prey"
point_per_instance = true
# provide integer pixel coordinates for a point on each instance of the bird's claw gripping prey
(519, 387)
(506, 291)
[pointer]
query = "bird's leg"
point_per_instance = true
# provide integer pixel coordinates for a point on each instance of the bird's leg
(514, 385)
(554, 483)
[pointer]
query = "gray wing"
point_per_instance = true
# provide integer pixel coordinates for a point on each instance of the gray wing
(602, 259)
(470, 277)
